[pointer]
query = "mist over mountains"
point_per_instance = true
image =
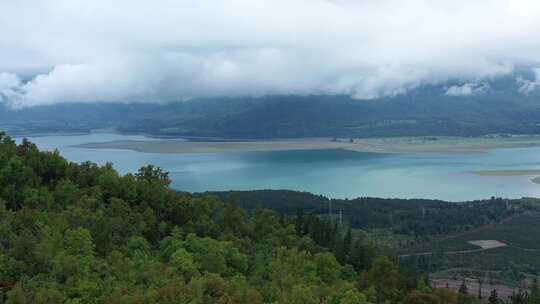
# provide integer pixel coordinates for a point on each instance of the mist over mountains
(509, 104)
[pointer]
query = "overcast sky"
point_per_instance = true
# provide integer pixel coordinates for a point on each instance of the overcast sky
(128, 50)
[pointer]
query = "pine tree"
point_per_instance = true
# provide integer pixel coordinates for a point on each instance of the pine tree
(494, 297)
(299, 222)
(347, 243)
(521, 297)
(480, 283)
(422, 285)
(463, 288)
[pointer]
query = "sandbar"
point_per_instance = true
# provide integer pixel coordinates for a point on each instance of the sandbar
(506, 172)
(400, 145)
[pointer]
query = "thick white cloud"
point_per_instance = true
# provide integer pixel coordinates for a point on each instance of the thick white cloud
(466, 89)
(129, 50)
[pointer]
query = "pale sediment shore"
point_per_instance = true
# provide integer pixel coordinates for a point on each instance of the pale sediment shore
(507, 172)
(403, 145)
(535, 173)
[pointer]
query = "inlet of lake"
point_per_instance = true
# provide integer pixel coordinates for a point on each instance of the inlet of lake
(333, 173)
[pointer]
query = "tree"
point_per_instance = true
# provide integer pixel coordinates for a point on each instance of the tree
(423, 285)
(300, 294)
(345, 249)
(534, 296)
(183, 263)
(328, 269)
(352, 296)
(520, 297)
(480, 283)
(463, 288)
(299, 222)
(385, 277)
(151, 174)
(494, 297)
(79, 242)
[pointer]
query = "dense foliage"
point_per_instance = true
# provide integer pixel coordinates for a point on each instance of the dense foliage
(81, 233)
(420, 218)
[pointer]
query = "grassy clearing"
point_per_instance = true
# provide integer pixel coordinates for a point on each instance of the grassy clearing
(487, 244)
(385, 239)
(512, 263)
(520, 232)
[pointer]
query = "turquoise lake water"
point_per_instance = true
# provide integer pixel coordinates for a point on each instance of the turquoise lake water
(333, 173)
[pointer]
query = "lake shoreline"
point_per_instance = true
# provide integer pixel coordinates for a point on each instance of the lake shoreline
(336, 173)
(397, 145)
(522, 172)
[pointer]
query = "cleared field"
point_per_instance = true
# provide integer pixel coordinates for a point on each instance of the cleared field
(510, 249)
(488, 244)
(373, 145)
(520, 232)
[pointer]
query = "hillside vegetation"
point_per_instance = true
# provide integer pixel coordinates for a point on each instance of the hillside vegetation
(82, 233)
(420, 218)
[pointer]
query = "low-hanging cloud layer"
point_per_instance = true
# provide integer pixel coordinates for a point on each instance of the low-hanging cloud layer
(154, 51)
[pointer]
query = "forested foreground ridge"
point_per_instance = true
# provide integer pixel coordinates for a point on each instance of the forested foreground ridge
(82, 233)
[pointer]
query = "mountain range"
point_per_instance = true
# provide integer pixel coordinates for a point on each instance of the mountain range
(503, 105)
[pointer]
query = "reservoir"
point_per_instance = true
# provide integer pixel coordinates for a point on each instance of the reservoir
(333, 173)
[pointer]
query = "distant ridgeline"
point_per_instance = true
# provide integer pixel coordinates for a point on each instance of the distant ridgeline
(499, 108)
(82, 233)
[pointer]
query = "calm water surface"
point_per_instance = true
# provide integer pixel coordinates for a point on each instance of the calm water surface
(334, 173)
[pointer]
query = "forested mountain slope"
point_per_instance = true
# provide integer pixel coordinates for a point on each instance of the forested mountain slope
(426, 110)
(420, 218)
